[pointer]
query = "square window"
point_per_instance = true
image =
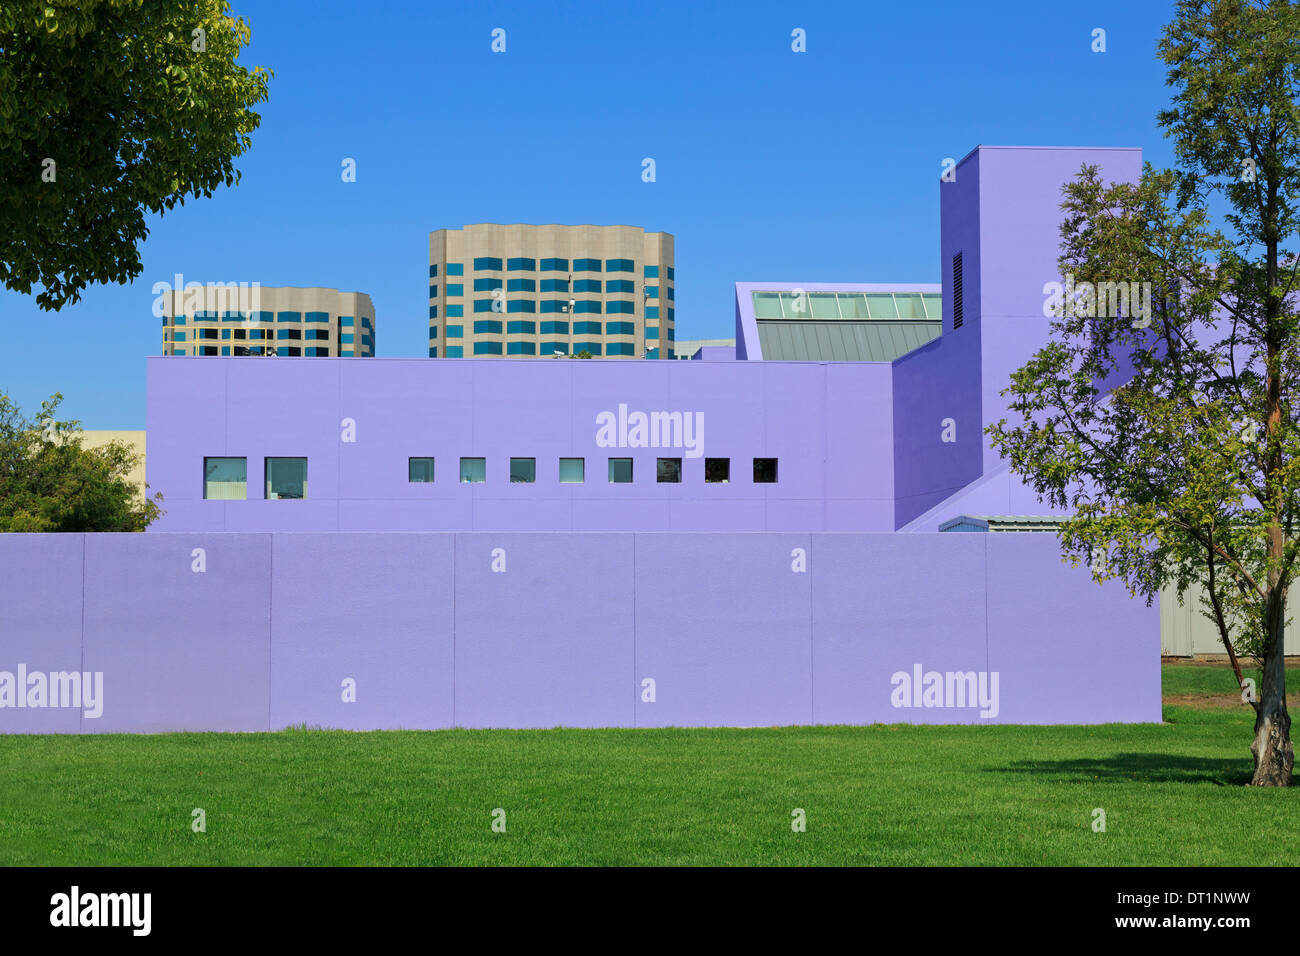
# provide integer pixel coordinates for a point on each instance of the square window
(572, 471)
(523, 469)
(668, 470)
(286, 478)
(620, 471)
(717, 470)
(473, 470)
(225, 479)
(764, 471)
(419, 470)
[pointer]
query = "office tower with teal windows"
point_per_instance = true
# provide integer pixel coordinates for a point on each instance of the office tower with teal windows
(542, 291)
(249, 319)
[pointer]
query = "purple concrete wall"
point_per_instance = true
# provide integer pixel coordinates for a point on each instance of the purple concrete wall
(258, 631)
(828, 424)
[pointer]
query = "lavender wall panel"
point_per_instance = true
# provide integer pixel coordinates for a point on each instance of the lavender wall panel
(40, 632)
(1068, 650)
(180, 649)
(723, 629)
(885, 605)
(544, 630)
(373, 609)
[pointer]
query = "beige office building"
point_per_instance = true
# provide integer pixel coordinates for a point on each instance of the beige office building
(524, 291)
(248, 319)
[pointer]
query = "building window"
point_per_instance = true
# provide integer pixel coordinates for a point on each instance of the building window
(521, 305)
(521, 265)
(521, 327)
(555, 285)
(620, 306)
(652, 272)
(523, 470)
(652, 311)
(620, 348)
(456, 311)
(586, 265)
(555, 265)
(487, 348)
(487, 325)
(521, 285)
(555, 348)
(764, 471)
(455, 268)
(487, 305)
(717, 470)
(225, 479)
(586, 285)
(288, 317)
(672, 273)
(521, 348)
(620, 471)
(455, 351)
(487, 284)
(433, 271)
(668, 470)
(455, 332)
(473, 470)
(620, 265)
(486, 262)
(620, 285)
(555, 328)
(587, 306)
(652, 331)
(620, 328)
(455, 288)
(433, 351)
(572, 471)
(586, 328)
(420, 470)
(286, 478)
(593, 347)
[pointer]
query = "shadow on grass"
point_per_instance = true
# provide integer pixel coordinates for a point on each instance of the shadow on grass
(1144, 767)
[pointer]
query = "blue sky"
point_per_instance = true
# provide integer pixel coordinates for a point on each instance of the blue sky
(771, 165)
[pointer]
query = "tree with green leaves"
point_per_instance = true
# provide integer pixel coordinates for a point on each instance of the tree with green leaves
(110, 109)
(50, 482)
(1172, 435)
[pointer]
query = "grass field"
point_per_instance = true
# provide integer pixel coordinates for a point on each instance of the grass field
(1172, 794)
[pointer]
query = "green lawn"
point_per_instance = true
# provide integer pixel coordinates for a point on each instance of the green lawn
(1172, 794)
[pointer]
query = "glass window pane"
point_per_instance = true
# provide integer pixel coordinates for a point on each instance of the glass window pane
(420, 470)
(909, 305)
(764, 471)
(767, 305)
(717, 470)
(669, 470)
(881, 305)
(225, 479)
(572, 470)
(286, 478)
(473, 470)
(933, 306)
(853, 305)
(620, 470)
(794, 306)
(523, 469)
(823, 305)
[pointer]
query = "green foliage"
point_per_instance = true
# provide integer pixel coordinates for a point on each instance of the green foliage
(584, 354)
(135, 110)
(1188, 471)
(49, 482)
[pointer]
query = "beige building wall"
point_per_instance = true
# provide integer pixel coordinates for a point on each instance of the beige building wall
(477, 310)
(249, 320)
(135, 440)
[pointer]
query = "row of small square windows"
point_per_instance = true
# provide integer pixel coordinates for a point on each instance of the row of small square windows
(615, 286)
(525, 327)
(310, 335)
(525, 264)
(226, 479)
(546, 348)
(618, 307)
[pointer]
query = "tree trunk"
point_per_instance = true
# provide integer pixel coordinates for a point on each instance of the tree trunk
(1272, 747)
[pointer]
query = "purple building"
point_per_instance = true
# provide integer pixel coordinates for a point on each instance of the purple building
(542, 542)
(872, 422)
